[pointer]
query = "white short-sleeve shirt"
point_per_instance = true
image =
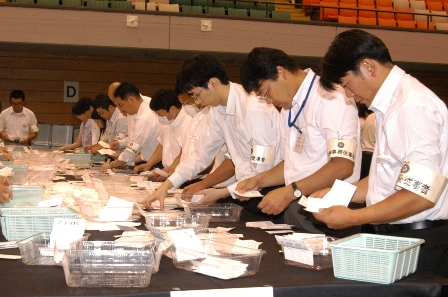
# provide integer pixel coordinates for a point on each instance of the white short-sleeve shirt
(18, 125)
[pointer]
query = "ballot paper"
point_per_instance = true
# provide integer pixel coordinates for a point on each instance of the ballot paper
(268, 225)
(65, 231)
(106, 151)
(160, 172)
(249, 194)
(340, 194)
(104, 144)
(187, 244)
(57, 201)
(296, 250)
(116, 209)
(147, 173)
(99, 187)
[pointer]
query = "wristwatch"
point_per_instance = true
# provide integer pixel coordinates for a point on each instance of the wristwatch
(297, 192)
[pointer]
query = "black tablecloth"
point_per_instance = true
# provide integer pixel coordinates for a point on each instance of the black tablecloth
(18, 279)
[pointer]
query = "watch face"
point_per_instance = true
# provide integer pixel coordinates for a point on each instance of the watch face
(297, 193)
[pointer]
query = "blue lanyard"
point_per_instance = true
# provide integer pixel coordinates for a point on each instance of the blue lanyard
(291, 124)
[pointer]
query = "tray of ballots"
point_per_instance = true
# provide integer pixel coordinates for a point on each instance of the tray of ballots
(311, 251)
(114, 209)
(23, 222)
(170, 220)
(79, 159)
(36, 250)
(19, 174)
(375, 258)
(109, 264)
(216, 259)
(25, 196)
(219, 212)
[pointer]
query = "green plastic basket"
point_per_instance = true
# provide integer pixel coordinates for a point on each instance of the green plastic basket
(375, 258)
(21, 223)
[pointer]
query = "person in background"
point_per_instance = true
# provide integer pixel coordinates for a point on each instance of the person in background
(166, 105)
(5, 191)
(89, 131)
(101, 123)
(18, 124)
(249, 129)
(319, 132)
(143, 127)
(116, 124)
(405, 192)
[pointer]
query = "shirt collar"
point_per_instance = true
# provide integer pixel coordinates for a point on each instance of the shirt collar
(384, 97)
(303, 89)
(230, 108)
(114, 116)
(179, 118)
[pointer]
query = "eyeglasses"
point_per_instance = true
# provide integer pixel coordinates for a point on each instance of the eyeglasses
(16, 103)
(195, 96)
(263, 97)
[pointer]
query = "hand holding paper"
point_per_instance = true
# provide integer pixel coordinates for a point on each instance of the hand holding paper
(340, 194)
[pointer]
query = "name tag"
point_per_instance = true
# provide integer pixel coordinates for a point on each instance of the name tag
(421, 180)
(134, 148)
(262, 155)
(341, 148)
(119, 136)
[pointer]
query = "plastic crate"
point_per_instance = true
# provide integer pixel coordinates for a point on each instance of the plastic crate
(219, 212)
(218, 259)
(20, 173)
(21, 223)
(375, 258)
(109, 264)
(25, 196)
(31, 249)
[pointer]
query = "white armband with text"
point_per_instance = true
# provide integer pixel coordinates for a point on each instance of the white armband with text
(421, 180)
(134, 148)
(341, 148)
(262, 154)
(119, 136)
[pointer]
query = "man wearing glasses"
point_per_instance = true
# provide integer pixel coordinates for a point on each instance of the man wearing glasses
(248, 128)
(18, 124)
(319, 132)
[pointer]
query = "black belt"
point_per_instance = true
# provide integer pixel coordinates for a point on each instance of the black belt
(391, 228)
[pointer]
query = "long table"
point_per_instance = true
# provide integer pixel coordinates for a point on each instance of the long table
(18, 279)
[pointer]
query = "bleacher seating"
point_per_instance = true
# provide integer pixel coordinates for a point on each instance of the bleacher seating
(406, 24)
(348, 12)
(434, 6)
(439, 17)
(284, 15)
(192, 9)
(402, 16)
(365, 13)
(255, 13)
(346, 19)
(383, 3)
(418, 4)
(442, 26)
(217, 10)
(421, 18)
(367, 21)
(425, 25)
(387, 22)
(401, 3)
(385, 15)
(237, 12)
(328, 14)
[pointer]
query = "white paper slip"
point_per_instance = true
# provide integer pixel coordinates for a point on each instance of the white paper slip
(279, 231)
(249, 194)
(10, 257)
(255, 291)
(196, 198)
(277, 226)
(160, 172)
(147, 173)
(340, 194)
(51, 202)
(116, 209)
(259, 224)
(106, 151)
(104, 144)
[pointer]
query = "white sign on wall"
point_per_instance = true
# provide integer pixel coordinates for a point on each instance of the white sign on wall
(71, 91)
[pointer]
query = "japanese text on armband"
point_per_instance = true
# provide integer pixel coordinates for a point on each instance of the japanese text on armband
(343, 148)
(421, 180)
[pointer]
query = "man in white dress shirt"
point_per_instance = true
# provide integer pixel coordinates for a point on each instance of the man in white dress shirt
(319, 133)
(171, 117)
(116, 122)
(143, 127)
(248, 128)
(406, 192)
(18, 124)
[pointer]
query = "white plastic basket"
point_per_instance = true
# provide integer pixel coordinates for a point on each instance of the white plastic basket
(375, 258)
(21, 223)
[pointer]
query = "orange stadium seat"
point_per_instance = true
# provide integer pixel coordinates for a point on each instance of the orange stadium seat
(346, 19)
(387, 22)
(404, 17)
(425, 25)
(367, 21)
(434, 6)
(365, 13)
(328, 14)
(406, 24)
(383, 3)
(385, 15)
(348, 12)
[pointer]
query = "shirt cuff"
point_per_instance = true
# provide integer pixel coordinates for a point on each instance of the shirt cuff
(126, 157)
(122, 142)
(231, 189)
(176, 180)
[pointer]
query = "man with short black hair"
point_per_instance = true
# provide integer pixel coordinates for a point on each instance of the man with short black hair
(143, 127)
(18, 124)
(248, 128)
(405, 192)
(319, 132)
